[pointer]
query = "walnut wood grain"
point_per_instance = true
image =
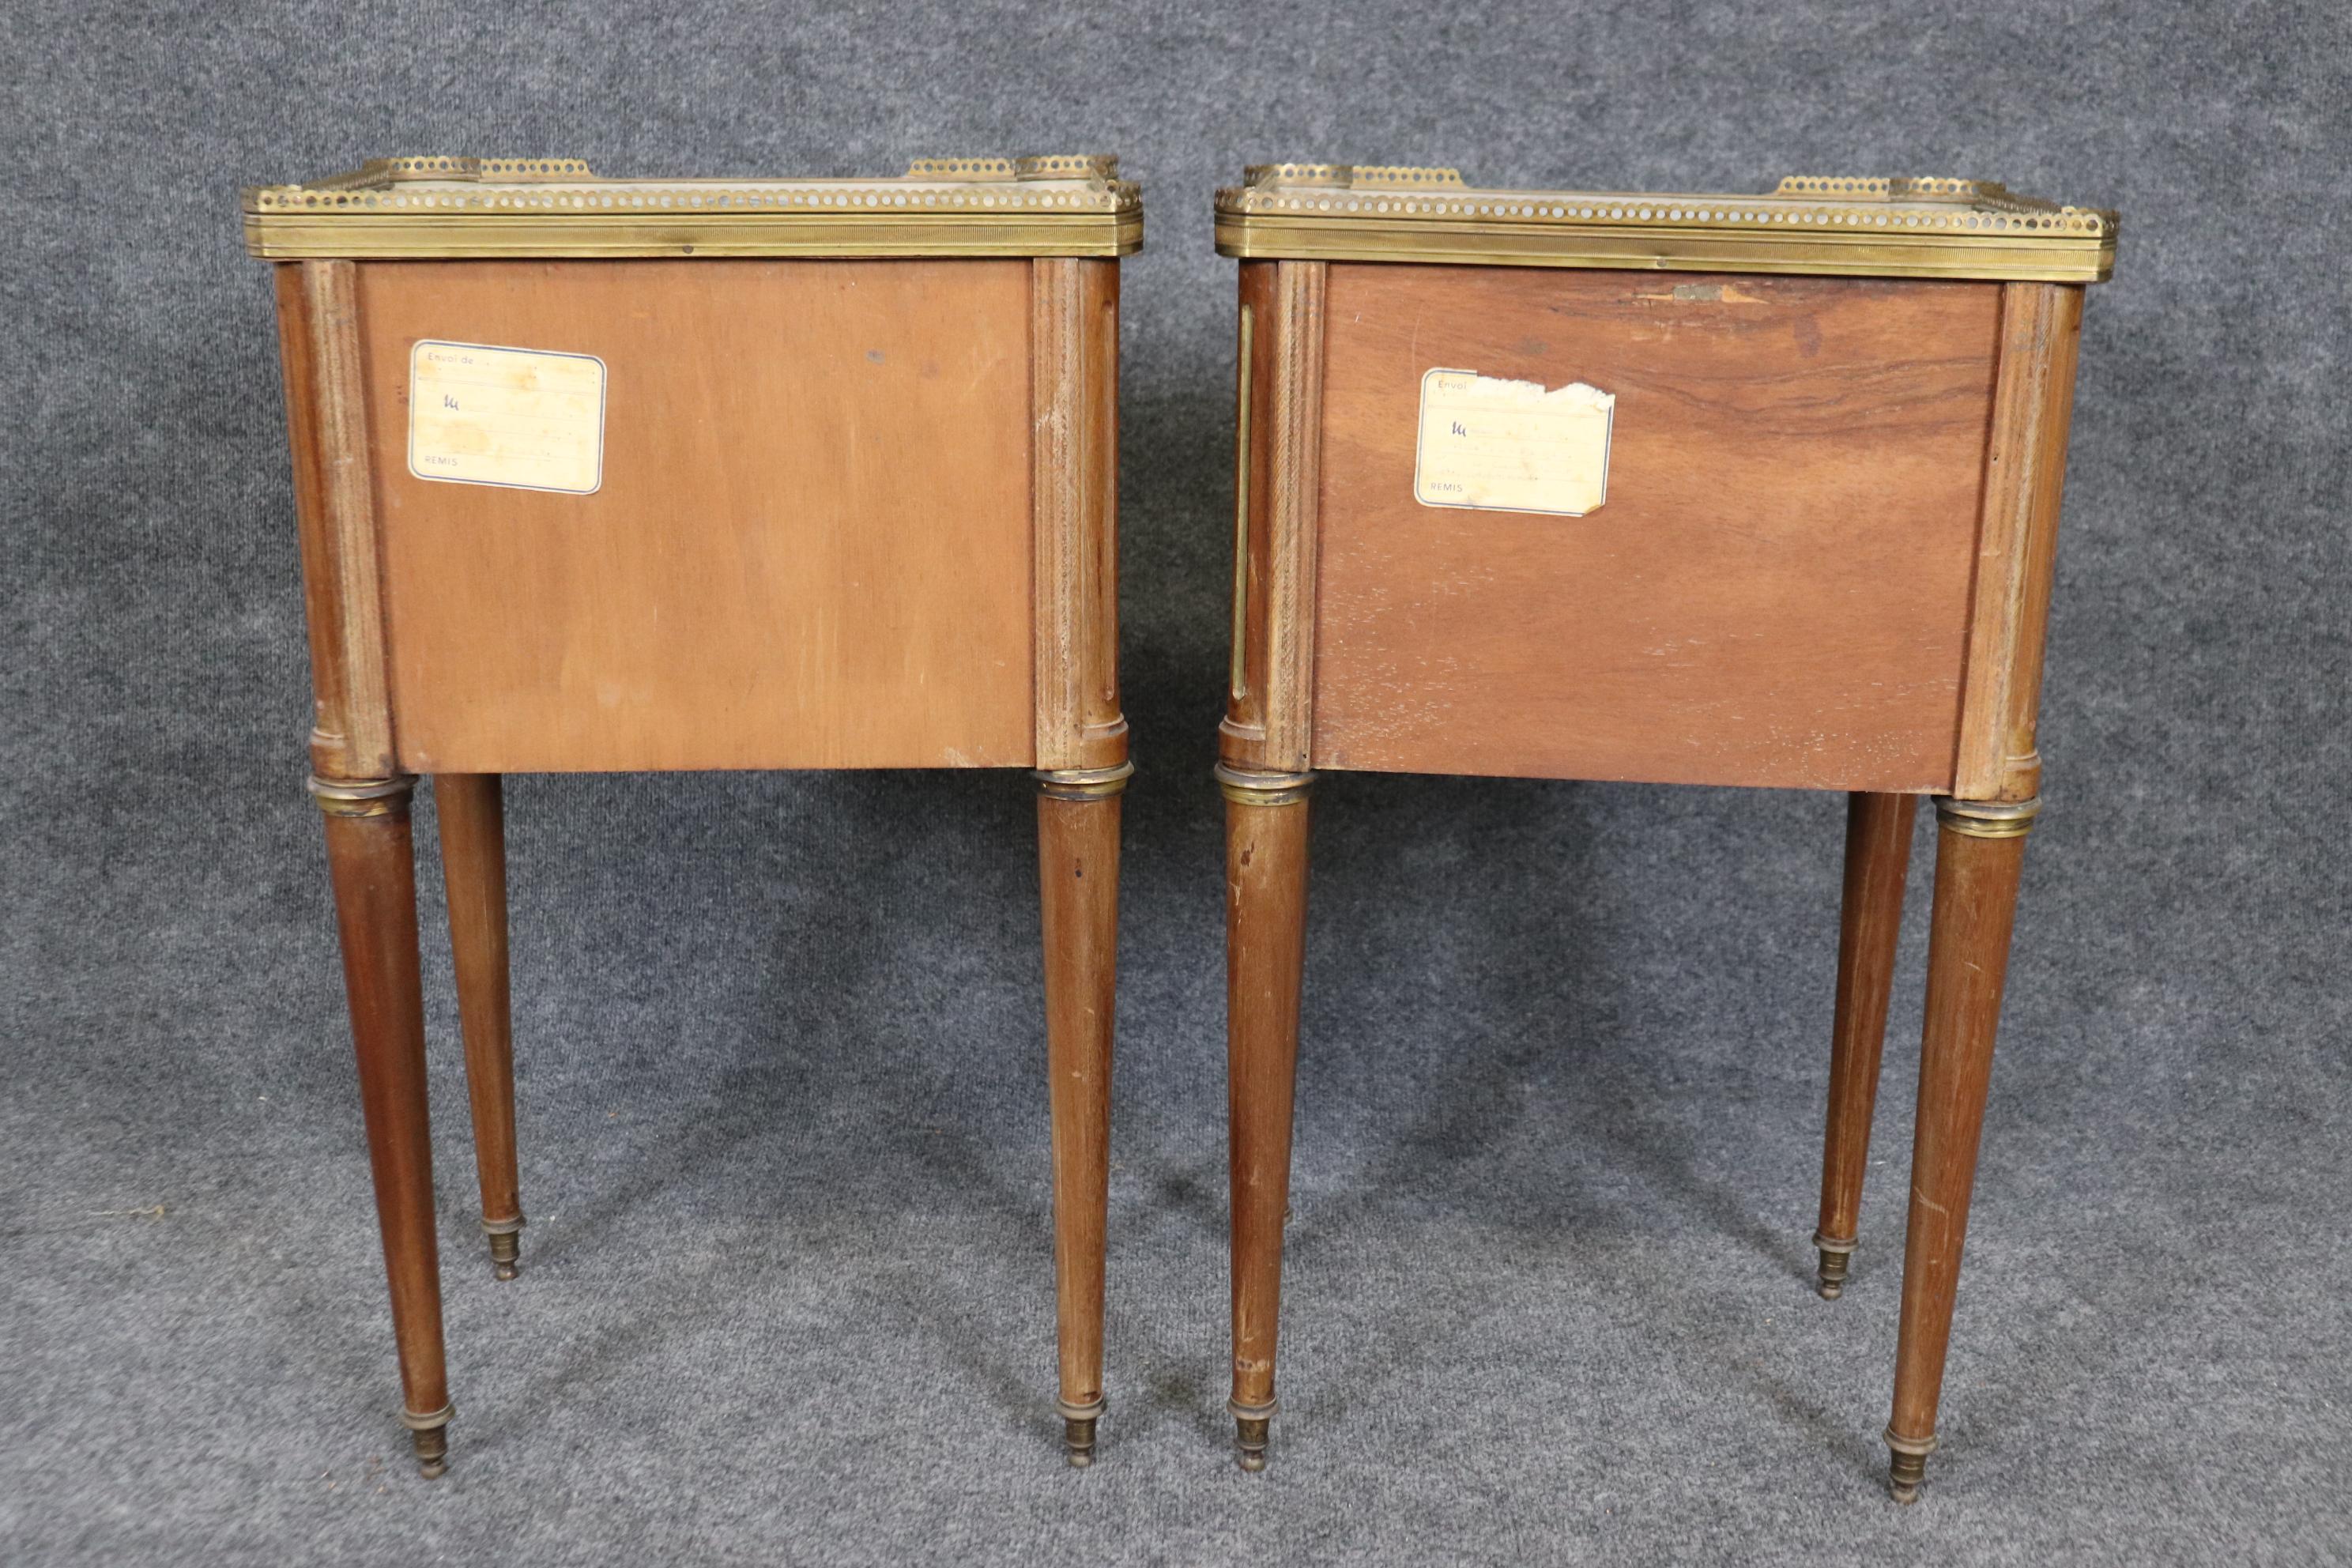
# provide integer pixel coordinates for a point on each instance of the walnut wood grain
(1266, 928)
(1877, 859)
(2025, 475)
(1967, 966)
(812, 547)
(1075, 393)
(370, 861)
(472, 812)
(1776, 589)
(1077, 870)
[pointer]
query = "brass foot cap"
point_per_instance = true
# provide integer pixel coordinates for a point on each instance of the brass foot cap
(430, 1434)
(1078, 1430)
(432, 1451)
(1079, 1439)
(505, 1237)
(1906, 1466)
(1837, 1258)
(1250, 1440)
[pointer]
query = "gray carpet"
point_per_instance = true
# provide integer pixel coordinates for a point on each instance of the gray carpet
(786, 1293)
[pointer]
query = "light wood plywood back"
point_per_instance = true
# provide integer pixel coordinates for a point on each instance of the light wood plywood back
(1776, 589)
(811, 541)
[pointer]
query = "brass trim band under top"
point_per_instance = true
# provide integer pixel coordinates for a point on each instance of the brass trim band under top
(425, 208)
(1853, 227)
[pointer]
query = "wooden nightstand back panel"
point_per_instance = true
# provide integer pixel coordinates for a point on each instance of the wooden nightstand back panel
(810, 547)
(1776, 590)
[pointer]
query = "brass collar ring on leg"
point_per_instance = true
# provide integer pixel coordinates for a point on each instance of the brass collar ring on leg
(1083, 783)
(1245, 788)
(1988, 818)
(362, 797)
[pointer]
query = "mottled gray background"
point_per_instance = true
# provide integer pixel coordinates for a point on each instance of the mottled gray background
(787, 1283)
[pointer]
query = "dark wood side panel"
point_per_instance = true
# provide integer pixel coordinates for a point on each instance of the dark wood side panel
(1775, 591)
(811, 546)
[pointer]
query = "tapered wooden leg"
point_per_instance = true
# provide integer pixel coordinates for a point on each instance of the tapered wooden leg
(369, 858)
(1078, 873)
(1877, 856)
(474, 866)
(1979, 851)
(1266, 937)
